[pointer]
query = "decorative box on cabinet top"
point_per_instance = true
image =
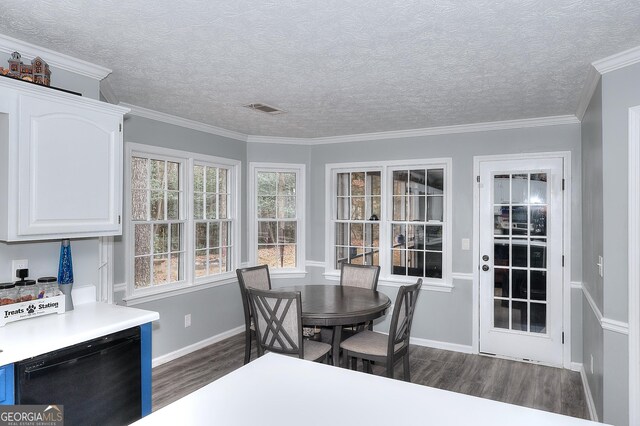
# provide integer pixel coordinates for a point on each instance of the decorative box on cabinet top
(60, 164)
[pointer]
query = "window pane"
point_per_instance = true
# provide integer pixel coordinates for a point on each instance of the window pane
(222, 206)
(214, 234)
(267, 232)
(433, 267)
(356, 234)
(538, 318)
(139, 172)
(139, 204)
(286, 232)
(157, 205)
(289, 256)
(222, 181)
(501, 189)
(399, 260)
(372, 235)
(198, 206)
(143, 239)
(357, 183)
(344, 208)
(268, 255)
(357, 208)
(157, 174)
(198, 178)
(225, 239)
(375, 183)
(416, 182)
(267, 183)
(211, 180)
(501, 314)
(415, 208)
(160, 269)
(286, 207)
(201, 263)
(435, 208)
(538, 191)
(400, 182)
(399, 208)
(173, 177)
(225, 259)
(201, 235)
(342, 234)
(520, 189)
(266, 207)
(343, 184)
(435, 181)
(342, 254)
(415, 263)
(287, 184)
(214, 261)
(519, 283)
(519, 316)
(175, 237)
(212, 206)
(172, 206)
(142, 272)
(433, 238)
(398, 236)
(176, 266)
(375, 208)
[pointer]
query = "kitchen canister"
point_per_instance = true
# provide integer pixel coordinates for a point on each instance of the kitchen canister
(65, 274)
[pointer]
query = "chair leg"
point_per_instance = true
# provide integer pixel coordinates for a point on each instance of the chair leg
(366, 366)
(247, 347)
(354, 363)
(390, 367)
(406, 372)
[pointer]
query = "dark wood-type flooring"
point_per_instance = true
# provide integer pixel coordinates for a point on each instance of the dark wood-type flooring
(529, 385)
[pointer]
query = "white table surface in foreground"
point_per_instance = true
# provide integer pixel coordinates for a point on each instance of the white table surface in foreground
(279, 390)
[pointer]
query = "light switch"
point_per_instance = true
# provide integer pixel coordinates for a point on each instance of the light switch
(466, 244)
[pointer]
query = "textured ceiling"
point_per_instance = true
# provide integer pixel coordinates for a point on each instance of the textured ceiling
(337, 67)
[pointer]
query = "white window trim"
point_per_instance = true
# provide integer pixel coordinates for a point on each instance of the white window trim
(299, 170)
(189, 283)
(445, 284)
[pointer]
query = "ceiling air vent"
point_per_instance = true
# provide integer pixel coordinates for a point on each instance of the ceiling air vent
(264, 108)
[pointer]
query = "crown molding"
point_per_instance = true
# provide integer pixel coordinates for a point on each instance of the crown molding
(430, 131)
(617, 61)
(183, 122)
(107, 92)
(589, 88)
(54, 59)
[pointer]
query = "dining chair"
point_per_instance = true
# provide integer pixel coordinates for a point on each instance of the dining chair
(388, 349)
(278, 321)
(364, 276)
(254, 277)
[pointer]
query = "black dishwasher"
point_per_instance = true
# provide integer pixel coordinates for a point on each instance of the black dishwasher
(98, 382)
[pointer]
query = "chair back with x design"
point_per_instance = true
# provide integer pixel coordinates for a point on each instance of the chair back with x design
(278, 321)
(402, 317)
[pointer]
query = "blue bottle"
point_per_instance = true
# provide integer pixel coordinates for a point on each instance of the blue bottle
(65, 273)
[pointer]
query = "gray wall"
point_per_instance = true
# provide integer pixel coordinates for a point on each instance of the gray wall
(592, 228)
(445, 317)
(214, 310)
(620, 91)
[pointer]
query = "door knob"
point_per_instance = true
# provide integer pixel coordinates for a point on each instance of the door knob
(485, 268)
(485, 257)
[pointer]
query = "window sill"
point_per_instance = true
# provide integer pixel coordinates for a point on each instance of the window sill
(395, 282)
(288, 273)
(177, 290)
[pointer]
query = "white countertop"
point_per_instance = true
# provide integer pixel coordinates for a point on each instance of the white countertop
(280, 390)
(34, 336)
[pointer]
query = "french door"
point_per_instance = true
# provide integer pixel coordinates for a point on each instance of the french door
(521, 258)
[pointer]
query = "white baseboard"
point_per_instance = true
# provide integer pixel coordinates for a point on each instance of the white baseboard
(455, 347)
(162, 359)
(576, 366)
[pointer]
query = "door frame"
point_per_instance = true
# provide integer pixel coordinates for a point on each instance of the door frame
(566, 249)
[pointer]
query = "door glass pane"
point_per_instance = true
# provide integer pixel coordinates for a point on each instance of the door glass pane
(501, 252)
(501, 313)
(538, 254)
(501, 189)
(500, 220)
(538, 220)
(520, 220)
(538, 285)
(538, 188)
(520, 189)
(519, 316)
(519, 283)
(501, 282)
(519, 253)
(538, 318)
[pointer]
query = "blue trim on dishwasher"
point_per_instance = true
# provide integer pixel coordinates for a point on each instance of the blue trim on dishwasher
(145, 367)
(7, 395)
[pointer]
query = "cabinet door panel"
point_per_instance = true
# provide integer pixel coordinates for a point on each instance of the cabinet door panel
(70, 168)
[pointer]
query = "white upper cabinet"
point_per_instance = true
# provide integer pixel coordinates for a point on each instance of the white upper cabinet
(61, 161)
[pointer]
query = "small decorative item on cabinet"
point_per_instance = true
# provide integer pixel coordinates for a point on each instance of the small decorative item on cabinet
(65, 273)
(38, 72)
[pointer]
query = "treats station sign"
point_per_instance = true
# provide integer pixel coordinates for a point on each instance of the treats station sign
(31, 308)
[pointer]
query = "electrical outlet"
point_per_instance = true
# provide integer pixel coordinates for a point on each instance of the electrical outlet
(600, 266)
(18, 264)
(592, 364)
(187, 320)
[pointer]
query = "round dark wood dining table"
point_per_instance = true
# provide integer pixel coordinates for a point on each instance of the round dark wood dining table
(336, 306)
